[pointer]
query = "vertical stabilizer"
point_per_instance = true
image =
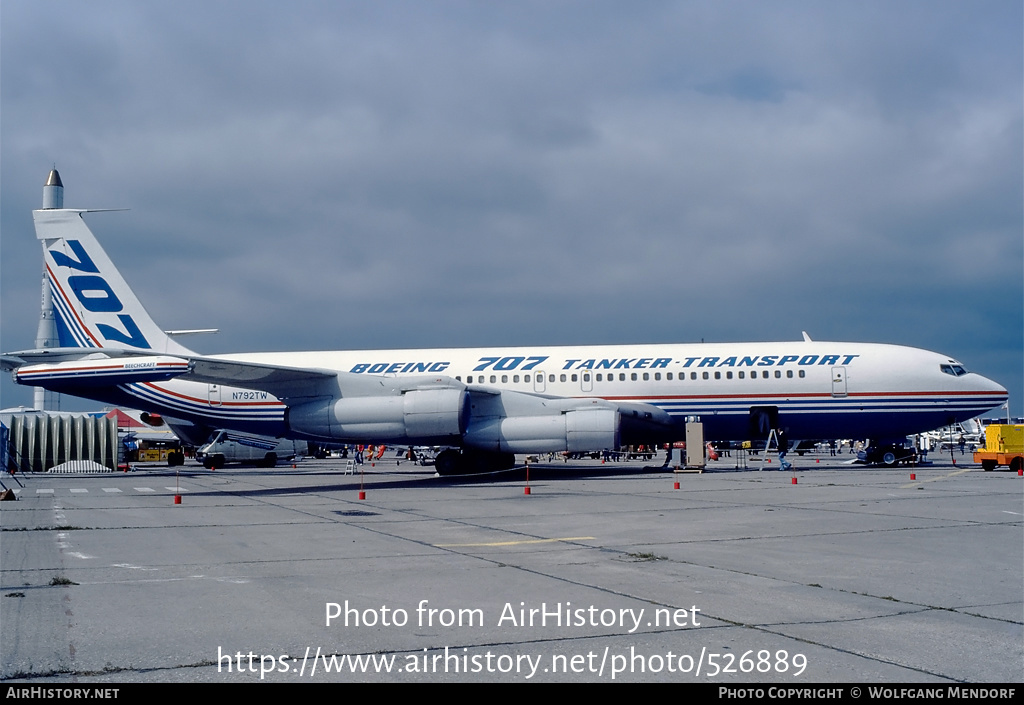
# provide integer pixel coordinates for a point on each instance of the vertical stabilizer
(93, 305)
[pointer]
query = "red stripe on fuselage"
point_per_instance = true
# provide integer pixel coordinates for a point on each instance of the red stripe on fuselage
(206, 402)
(71, 307)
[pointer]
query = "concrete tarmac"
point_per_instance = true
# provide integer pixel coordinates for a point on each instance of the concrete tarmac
(604, 572)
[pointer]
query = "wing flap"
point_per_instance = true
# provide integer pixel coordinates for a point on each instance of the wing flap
(289, 383)
(281, 381)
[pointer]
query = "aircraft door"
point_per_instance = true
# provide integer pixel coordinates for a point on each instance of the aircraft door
(839, 381)
(587, 381)
(761, 421)
(213, 395)
(538, 381)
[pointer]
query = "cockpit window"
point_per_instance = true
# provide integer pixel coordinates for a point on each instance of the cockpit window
(955, 370)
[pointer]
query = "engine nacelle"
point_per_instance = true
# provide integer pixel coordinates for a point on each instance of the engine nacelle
(575, 431)
(417, 416)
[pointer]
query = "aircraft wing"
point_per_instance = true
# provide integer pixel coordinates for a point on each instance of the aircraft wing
(338, 406)
(292, 383)
(282, 382)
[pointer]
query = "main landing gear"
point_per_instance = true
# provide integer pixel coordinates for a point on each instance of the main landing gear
(471, 462)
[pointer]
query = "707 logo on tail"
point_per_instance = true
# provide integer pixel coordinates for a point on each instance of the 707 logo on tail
(95, 295)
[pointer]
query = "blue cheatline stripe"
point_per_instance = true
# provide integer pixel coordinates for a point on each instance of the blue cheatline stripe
(195, 407)
(77, 337)
(834, 406)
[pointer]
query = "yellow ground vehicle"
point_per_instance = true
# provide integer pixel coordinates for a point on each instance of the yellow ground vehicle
(1004, 445)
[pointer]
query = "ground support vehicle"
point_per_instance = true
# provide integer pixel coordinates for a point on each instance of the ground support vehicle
(1004, 445)
(888, 454)
(262, 451)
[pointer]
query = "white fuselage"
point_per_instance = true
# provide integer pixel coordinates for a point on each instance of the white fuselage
(819, 389)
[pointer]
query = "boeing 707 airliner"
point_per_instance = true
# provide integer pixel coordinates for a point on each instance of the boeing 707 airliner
(484, 404)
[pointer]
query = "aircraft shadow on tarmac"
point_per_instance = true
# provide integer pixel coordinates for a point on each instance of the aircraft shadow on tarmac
(383, 476)
(423, 478)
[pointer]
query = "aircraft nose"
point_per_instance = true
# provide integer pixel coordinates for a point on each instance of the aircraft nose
(996, 386)
(993, 390)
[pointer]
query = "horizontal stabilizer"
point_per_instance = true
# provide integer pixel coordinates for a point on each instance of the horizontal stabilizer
(14, 360)
(103, 371)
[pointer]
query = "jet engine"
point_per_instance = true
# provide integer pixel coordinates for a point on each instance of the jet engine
(574, 430)
(416, 416)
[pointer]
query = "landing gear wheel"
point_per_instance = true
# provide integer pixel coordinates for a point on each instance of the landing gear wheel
(448, 462)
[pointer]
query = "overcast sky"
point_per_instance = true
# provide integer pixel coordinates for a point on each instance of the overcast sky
(326, 175)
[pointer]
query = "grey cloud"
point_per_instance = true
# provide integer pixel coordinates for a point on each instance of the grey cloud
(416, 174)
